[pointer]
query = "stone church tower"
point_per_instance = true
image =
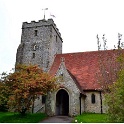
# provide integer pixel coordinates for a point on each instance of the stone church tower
(40, 42)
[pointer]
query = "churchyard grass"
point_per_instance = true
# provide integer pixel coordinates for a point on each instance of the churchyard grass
(9, 117)
(90, 118)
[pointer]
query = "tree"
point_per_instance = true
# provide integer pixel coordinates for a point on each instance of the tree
(26, 83)
(109, 66)
(111, 78)
(115, 100)
(99, 43)
(4, 93)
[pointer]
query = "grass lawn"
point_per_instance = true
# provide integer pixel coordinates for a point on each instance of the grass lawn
(91, 118)
(9, 117)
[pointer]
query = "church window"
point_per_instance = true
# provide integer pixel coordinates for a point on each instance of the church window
(61, 74)
(43, 99)
(56, 38)
(35, 32)
(93, 98)
(33, 55)
(34, 47)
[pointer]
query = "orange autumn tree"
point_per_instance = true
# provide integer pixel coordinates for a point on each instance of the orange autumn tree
(4, 92)
(26, 84)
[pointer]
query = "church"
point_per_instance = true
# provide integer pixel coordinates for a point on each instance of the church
(79, 91)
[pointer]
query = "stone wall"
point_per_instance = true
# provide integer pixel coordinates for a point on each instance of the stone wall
(82, 104)
(40, 41)
(38, 105)
(104, 106)
(68, 85)
(92, 107)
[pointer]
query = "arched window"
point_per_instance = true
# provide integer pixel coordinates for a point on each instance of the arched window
(34, 47)
(93, 98)
(33, 56)
(43, 99)
(35, 32)
(56, 38)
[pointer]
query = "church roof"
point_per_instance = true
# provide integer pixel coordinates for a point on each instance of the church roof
(83, 66)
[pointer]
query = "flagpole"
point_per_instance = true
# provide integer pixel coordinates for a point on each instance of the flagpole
(44, 12)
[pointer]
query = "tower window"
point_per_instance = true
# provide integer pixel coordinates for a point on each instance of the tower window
(93, 98)
(35, 32)
(33, 55)
(34, 47)
(56, 38)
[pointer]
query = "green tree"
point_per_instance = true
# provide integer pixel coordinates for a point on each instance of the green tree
(111, 78)
(25, 85)
(115, 100)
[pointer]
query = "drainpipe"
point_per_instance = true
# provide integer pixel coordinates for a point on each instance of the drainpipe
(101, 101)
(80, 102)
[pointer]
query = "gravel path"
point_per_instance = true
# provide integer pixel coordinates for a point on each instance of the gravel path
(57, 119)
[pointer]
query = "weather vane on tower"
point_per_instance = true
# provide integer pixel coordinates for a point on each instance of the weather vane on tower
(44, 11)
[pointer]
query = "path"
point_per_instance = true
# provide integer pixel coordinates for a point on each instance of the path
(57, 119)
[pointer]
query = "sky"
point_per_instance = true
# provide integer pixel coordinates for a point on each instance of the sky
(79, 21)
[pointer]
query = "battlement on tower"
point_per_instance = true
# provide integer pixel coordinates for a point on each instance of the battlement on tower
(41, 23)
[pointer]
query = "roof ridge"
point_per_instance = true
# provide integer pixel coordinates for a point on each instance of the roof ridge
(88, 52)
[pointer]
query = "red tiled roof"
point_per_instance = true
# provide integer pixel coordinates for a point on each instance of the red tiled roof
(83, 66)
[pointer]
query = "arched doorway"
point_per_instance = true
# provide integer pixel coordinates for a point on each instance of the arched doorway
(62, 102)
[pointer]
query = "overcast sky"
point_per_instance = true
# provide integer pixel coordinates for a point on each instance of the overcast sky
(79, 21)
